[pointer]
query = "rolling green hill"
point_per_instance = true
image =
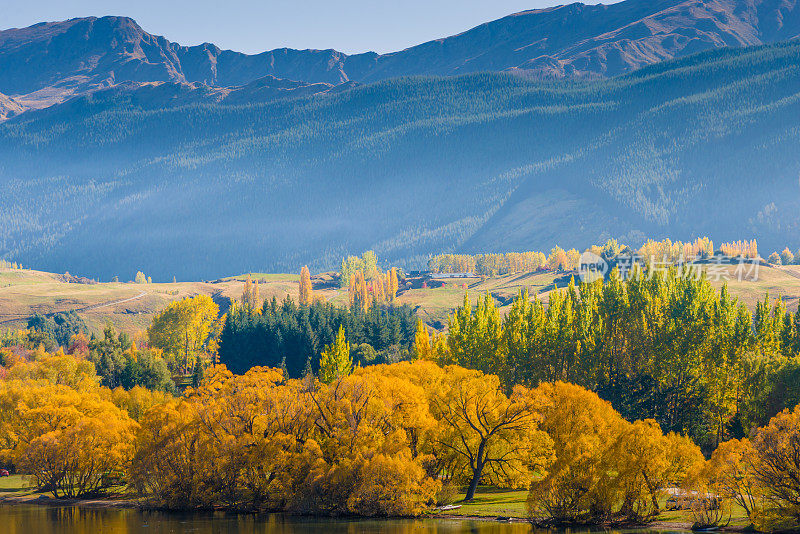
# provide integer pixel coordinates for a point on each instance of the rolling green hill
(704, 145)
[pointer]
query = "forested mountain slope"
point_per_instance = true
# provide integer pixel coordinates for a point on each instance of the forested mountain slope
(50, 62)
(707, 145)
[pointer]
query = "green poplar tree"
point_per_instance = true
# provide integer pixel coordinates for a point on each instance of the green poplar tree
(335, 361)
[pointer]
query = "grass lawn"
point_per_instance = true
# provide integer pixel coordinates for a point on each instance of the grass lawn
(495, 502)
(13, 486)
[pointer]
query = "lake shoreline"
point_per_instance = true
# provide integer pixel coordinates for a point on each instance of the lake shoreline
(122, 504)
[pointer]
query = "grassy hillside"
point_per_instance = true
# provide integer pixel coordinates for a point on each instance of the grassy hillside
(131, 307)
(705, 145)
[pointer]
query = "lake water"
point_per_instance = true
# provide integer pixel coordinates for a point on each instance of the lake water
(23, 519)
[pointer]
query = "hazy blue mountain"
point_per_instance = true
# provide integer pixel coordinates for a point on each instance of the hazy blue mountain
(50, 62)
(106, 184)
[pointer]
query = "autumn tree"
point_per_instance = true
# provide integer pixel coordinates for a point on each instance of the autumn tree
(728, 473)
(645, 462)
(787, 257)
(486, 434)
(358, 293)
(369, 461)
(335, 361)
(306, 293)
(184, 328)
(583, 428)
(422, 342)
(392, 284)
(62, 431)
(776, 470)
(558, 260)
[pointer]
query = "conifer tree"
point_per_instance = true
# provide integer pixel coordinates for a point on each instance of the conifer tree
(335, 361)
(305, 287)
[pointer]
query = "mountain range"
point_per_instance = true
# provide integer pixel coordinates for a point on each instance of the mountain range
(48, 63)
(120, 154)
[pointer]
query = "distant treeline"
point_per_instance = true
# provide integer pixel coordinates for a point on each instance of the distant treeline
(559, 259)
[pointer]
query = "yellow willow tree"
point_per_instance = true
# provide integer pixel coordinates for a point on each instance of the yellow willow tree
(364, 458)
(230, 442)
(775, 468)
(584, 429)
(184, 329)
(306, 296)
(335, 361)
(645, 462)
(486, 434)
(728, 473)
(70, 441)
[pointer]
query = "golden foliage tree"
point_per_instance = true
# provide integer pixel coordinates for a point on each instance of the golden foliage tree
(393, 284)
(306, 297)
(422, 342)
(70, 438)
(486, 434)
(184, 329)
(776, 470)
(335, 361)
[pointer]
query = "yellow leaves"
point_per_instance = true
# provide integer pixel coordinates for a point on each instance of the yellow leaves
(775, 470)
(137, 400)
(335, 361)
(57, 368)
(391, 485)
(484, 434)
(67, 440)
(422, 342)
(306, 295)
(258, 441)
(605, 465)
(185, 327)
(729, 473)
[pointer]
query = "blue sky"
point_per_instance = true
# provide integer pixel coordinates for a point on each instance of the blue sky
(254, 26)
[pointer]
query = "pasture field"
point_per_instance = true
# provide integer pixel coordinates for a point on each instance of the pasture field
(131, 307)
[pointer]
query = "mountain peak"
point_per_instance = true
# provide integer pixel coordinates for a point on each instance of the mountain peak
(50, 62)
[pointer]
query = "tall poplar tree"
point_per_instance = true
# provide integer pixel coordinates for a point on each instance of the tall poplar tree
(306, 296)
(335, 361)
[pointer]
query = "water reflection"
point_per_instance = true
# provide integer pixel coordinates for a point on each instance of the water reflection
(57, 520)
